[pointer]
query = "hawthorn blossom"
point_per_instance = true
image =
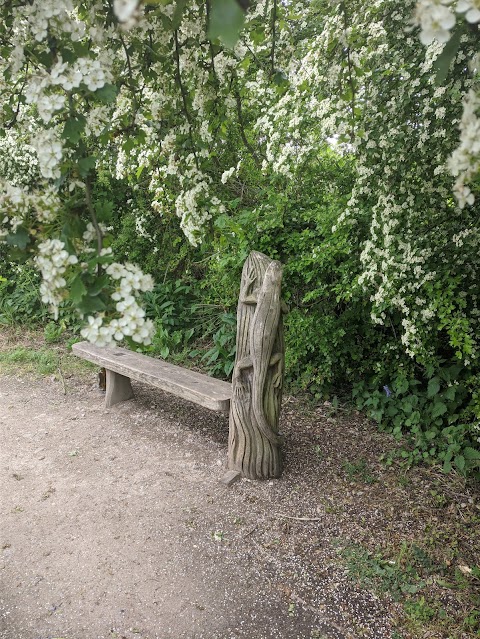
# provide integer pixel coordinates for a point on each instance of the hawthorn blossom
(471, 8)
(127, 12)
(435, 19)
(49, 152)
(52, 261)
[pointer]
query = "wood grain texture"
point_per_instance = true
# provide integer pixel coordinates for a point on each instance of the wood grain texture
(190, 385)
(118, 387)
(254, 444)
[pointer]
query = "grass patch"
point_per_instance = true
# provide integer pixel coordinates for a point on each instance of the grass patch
(40, 361)
(436, 596)
(359, 472)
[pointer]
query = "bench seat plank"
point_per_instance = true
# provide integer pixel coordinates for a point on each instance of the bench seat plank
(190, 385)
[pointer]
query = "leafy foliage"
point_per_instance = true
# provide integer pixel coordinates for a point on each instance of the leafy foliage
(20, 296)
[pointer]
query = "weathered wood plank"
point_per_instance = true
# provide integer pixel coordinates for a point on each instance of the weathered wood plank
(190, 385)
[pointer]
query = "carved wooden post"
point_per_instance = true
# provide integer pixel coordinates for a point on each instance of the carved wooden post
(254, 443)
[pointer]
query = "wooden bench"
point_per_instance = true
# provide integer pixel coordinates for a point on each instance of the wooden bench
(253, 398)
(122, 365)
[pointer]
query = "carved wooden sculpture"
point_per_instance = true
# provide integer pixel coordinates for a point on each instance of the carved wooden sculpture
(254, 443)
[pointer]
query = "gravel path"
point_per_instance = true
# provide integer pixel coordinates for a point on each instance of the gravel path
(114, 525)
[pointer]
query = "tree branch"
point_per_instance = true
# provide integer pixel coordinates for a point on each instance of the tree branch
(350, 76)
(184, 94)
(274, 20)
(241, 123)
(93, 216)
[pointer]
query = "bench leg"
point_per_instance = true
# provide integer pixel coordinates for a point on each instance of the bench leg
(119, 389)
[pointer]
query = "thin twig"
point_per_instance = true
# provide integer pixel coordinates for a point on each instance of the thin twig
(131, 79)
(298, 518)
(274, 20)
(241, 123)
(17, 110)
(183, 94)
(250, 532)
(350, 76)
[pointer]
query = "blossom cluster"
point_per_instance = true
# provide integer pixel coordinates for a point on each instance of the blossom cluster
(41, 16)
(177, 110)
(18, 160)
(53, 261)
(20, 207)
(437, 18)
(131, 321)
(402, 137)
(465, 160)
(128, 12)
(49, 150)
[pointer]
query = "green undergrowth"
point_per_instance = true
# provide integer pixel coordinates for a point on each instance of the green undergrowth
(437, 592)
(190, 331)
(433, 418)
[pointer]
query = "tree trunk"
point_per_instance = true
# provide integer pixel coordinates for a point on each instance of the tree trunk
(254, 443)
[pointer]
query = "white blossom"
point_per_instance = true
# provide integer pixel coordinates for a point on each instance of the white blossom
(471, 8)
(436, 19)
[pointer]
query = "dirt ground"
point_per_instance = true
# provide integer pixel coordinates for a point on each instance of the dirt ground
(114, 523)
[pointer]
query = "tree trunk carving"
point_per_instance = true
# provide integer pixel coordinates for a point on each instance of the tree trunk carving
(254, 443)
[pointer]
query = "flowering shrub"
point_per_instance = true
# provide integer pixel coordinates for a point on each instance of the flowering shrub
(437, 19)
(341, 138)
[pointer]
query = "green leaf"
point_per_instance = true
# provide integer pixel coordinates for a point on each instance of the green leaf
(77, 290)
(178, 13)
(226, 21)
(280, 78)
(73, 227)
(445, 59)
(20, 238)
(433, 387)
(91, 305)
(439, 408)
(104, 259)
(460, 462)
(165, 352)
(104, 211)
(73, 129)
(448, 455)
(85, 165)
(128, 145)
(98, 286)
(471, 454)
(81, 49)
(258, 35)
(401, 385)
(447, 466)
(407, 406)
(450, 393)
(108, 93)
(45, 57)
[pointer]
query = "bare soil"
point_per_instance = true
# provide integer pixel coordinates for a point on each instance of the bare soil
(114, 523)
